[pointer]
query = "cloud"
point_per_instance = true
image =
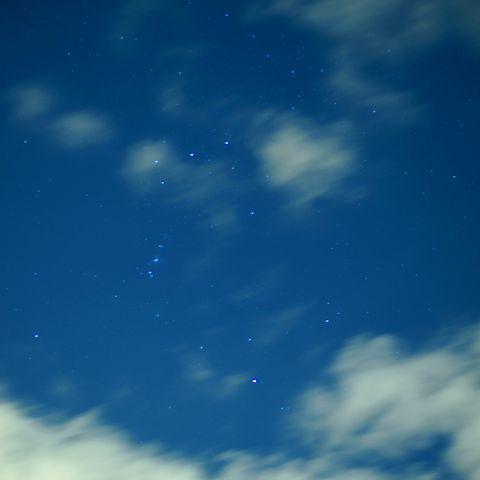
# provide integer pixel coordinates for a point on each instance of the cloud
(206, 188)
(146, 164)
(379, 27)
(388, 405)
(377, 35)
(80, 129)
(383, 407)
(272, 327)
(306, 162)
(39, 448)
(34, 107)
(30, 102)
(366, 93)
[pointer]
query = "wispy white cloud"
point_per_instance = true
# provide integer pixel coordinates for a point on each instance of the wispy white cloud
(305, 161)
(80, 129)
(379, 27)
(379, 35)
(45, 448)
(383, 406)
(39, 448)
(388, 405)
(206, 188)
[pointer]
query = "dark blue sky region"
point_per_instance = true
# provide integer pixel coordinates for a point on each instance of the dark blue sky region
(244, 234)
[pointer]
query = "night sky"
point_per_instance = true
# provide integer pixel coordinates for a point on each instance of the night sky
(240, 240)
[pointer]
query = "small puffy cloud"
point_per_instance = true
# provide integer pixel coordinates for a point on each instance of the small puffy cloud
(147, 163)
(207, 188)
(30, 102)
(306, 162)
(33, 105)
(80, 129)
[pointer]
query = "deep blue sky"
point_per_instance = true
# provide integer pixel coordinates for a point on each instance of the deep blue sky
(203, 203)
